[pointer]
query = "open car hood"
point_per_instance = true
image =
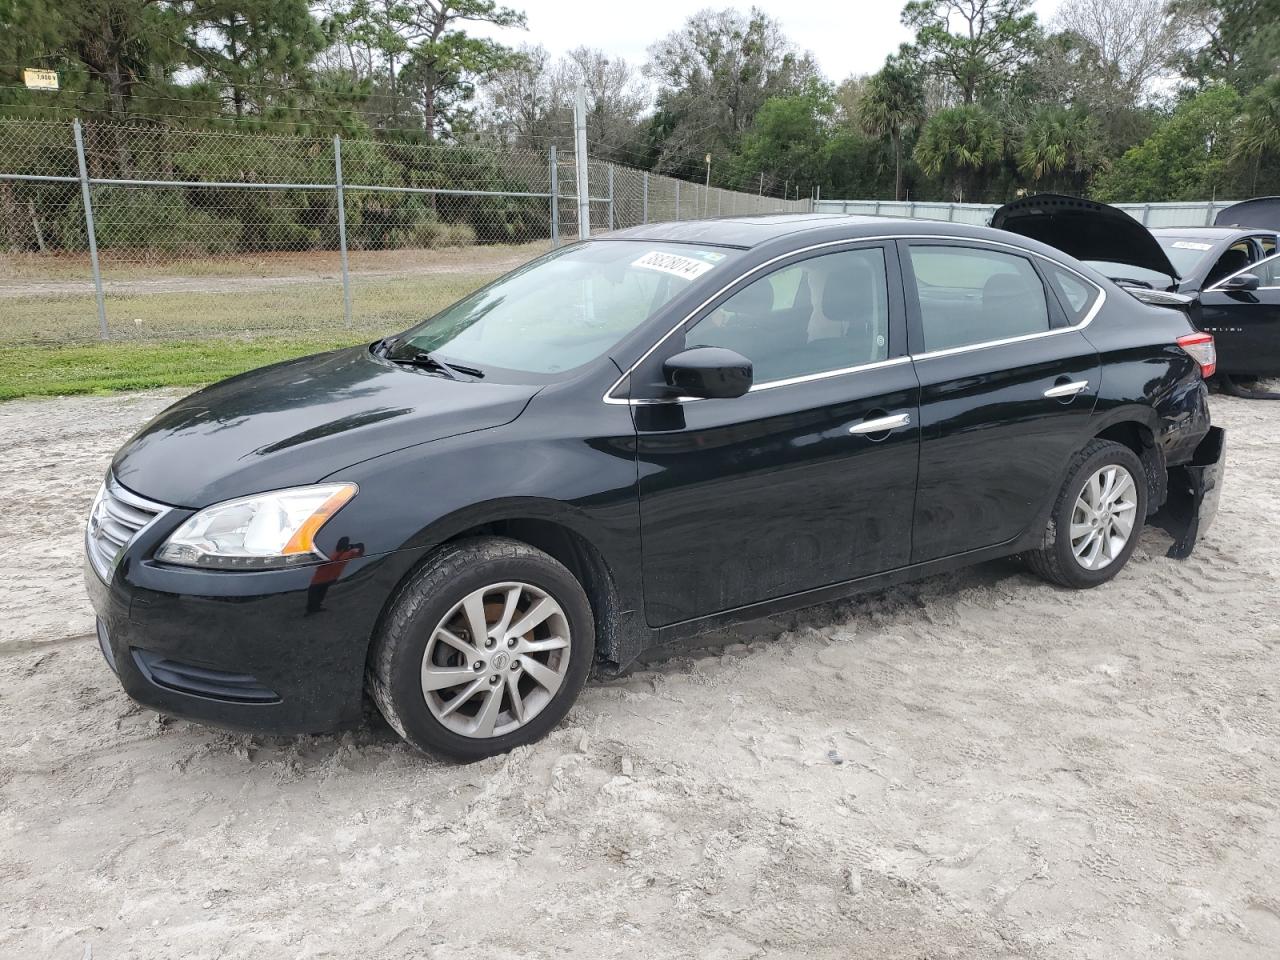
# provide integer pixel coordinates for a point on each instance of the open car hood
(1085, 229)
(1259, 212)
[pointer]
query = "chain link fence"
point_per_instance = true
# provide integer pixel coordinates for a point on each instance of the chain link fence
(140, 233)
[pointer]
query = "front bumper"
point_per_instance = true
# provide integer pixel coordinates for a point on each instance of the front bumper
(1194, 491)
(279, 652)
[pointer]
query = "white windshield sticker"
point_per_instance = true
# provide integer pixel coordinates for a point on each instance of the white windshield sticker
(673, 263)
(1191, 245)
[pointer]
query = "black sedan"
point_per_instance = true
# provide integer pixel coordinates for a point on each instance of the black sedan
(1227, 274)
(625, 443)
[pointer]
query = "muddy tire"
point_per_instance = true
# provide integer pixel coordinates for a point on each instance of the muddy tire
(484, 648)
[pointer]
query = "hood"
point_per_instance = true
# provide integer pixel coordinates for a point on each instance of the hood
(1085, 229)
(1259, 212)
(297, 422)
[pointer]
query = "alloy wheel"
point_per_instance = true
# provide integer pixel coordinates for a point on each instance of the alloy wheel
(1103, 517)
(496, 660)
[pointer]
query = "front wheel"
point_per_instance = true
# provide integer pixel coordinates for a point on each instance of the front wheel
(1096, 520)
(483, 649)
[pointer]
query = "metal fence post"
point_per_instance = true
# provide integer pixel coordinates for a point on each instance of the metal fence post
(580, 162)
(677, 199)
(611, 196)
(85, 194)
(342, 228)
(644, 199)
(555, 199)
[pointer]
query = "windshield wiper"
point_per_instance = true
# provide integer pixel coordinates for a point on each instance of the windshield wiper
(428, 361)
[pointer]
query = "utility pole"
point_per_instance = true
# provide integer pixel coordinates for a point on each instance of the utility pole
(706, 189)
(580, 161)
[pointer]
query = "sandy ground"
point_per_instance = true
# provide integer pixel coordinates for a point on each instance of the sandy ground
(974, 766)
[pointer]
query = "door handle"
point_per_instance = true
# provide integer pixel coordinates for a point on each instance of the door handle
(1067, 389)
(881, 424)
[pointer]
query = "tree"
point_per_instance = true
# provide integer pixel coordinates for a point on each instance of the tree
(1259, 134)
(1127, 44)
(1188, 157)
(109, 48)
(261, 50)
(960, 143)
(1232, 41)
(789, 139)
(425, 50)
(1060, 146)
(713, 75)
(974, 46)
(616, 101)
(892, 105)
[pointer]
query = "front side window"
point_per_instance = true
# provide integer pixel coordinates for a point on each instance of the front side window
(1267, 272)
(564, 309)
(826, 313)
(969, 296)
(1237, 257)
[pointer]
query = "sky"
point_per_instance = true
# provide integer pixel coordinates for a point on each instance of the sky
(846, 36)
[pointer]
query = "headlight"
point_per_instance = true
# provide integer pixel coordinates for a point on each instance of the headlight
(266, 531)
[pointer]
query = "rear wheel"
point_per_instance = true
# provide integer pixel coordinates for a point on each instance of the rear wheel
(485, 648)
(1096, 520)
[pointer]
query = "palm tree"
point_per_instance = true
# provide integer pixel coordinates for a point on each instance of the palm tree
(1259, 132)
(959, 142)
(1057, 140)
(892, 106)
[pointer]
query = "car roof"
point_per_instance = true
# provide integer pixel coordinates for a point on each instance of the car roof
(746, 232)
(1208, 233)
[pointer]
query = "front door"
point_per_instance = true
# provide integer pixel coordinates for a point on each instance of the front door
(1246, 323)
(1007, 387)
(787, 488)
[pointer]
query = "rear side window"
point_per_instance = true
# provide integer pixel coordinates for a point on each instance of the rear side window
(970, 296)
(1076, 294)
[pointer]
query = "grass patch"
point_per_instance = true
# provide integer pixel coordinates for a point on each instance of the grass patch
(101, 368)
(311, 309)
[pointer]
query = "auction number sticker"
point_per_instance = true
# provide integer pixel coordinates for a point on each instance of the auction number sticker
(1191, 245)
(673, 263)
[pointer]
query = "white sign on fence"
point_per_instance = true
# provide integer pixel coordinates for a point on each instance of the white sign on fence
(40, 79)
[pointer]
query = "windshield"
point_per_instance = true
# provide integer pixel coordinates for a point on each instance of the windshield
(1184, 253)
(561, 310)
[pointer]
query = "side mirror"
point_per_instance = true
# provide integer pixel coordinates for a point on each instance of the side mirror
(709, 373)
(1242, 281)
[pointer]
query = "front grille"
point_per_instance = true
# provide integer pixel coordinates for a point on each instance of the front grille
(202, 681)
(116, 518)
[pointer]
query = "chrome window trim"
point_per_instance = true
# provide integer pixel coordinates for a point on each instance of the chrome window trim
(1218, 288)
(844, 371)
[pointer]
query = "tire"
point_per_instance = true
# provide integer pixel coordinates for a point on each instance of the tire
(1056, 558)
(410, 653)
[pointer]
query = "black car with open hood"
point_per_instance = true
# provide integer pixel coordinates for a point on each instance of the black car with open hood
(1225, 277)
(1101, 235)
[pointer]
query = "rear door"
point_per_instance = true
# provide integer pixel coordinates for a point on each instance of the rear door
(1246, 323)
(1007, 387)
(807, 480)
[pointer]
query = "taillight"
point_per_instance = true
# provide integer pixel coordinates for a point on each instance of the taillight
(1200, 347)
